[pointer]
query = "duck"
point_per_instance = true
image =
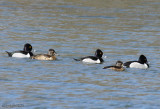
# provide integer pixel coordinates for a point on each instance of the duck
(117, 67)
(96, 59)
(142, 63)
(49, 56)
(25, 53)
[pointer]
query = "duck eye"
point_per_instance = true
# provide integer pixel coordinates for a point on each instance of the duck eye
(30, 46)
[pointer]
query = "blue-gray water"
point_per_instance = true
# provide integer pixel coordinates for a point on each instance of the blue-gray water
(122, 29)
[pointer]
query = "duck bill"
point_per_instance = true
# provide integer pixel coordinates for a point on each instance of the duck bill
(56, 54)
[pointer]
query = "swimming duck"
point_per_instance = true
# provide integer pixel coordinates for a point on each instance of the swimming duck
(141, 63)
(49, 56)
(117, 67)
(25, 53)
(97, 59)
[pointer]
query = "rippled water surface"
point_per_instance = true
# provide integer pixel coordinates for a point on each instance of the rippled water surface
(122, 29)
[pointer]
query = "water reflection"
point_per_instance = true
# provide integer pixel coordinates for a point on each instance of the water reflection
(122, 29)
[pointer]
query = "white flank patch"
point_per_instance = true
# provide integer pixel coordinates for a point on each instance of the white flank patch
(20, 55)
(88, 60)
(138, 65)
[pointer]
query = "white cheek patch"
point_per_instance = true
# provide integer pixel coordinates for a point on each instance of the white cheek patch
(138, 65)
(20, 55)
(88, 60)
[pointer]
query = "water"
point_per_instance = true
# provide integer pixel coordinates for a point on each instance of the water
(123, 30)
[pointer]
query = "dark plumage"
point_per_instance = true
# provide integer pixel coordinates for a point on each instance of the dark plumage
(93, 59)
(25, 53)
(141, 63)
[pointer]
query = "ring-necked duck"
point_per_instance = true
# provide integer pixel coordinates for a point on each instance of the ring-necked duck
(97, 59)
(49, 56)
(141, 63)
(25, 53)
(117, 67)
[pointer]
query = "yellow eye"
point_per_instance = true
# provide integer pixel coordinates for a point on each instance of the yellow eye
(30, 46)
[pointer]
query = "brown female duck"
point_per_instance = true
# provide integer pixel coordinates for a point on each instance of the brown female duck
(49, 56)
(117, 67)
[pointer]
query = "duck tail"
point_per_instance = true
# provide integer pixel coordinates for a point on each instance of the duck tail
(107, 67)
(9, 54)
(77, 59)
